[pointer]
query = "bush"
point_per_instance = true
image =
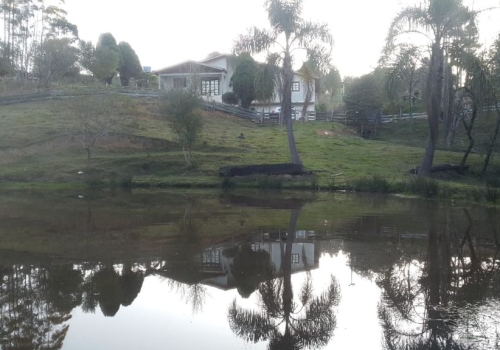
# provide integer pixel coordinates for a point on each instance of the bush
(230, 98)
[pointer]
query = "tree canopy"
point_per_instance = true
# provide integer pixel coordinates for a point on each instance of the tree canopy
(107, 58)
(130, 66)
(243, 79)
(363, 96)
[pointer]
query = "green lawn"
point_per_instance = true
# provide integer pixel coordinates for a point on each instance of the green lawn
(34, 149)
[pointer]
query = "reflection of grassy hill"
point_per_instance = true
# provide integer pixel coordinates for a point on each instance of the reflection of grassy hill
(144, 222)
(33, 149)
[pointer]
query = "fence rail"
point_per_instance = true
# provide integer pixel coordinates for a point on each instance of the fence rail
(254, 116)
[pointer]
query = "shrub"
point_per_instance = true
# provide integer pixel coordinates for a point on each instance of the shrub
(230, 98)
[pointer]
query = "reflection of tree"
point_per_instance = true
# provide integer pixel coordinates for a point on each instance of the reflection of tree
(107, 285)
(36, 304)
(131, 284)
(429, 305)
(36, 301)
(182, 266)
(111, 290)
(249, 268)
(285, 323)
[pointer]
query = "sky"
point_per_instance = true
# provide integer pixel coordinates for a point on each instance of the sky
(167, 32)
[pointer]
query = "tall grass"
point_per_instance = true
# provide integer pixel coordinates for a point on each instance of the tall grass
(374, 183)
(423, 186)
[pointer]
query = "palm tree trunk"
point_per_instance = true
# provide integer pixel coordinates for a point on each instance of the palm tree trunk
(434, 96)
(286, 108)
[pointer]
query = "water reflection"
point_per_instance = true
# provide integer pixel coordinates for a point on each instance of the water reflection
(437, 269)
(282, 320)
(433, 303)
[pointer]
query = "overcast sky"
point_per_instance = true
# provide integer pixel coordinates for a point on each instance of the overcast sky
(165, 32)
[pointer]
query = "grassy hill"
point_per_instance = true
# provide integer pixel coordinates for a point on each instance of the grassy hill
(36, 151)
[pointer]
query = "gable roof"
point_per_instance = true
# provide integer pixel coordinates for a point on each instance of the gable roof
(215, 57)
(189, 67)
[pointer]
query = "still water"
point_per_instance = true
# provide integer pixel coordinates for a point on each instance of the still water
(209, 270)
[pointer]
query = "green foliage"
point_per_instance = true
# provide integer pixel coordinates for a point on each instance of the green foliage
(374, 183)
(423, 186)
(130, 66)
(331, 83)
(57, 58)
(265, 82)
(86, 55)
(243, 79)
(406, 76)
(179, 108)
(107, 58)
(230, 98)
(363, 96)
(5, 68)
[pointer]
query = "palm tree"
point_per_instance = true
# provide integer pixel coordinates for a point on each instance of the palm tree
(289, 32)
(441, 21)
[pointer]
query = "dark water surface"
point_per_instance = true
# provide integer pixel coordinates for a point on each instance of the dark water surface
(209, 270)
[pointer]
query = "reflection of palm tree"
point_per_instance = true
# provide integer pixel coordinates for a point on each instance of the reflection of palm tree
(282, 321)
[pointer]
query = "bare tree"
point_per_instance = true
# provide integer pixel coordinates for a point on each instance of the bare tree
(91, 118)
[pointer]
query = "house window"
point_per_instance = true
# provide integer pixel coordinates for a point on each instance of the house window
(296, 86)
(211, 258)
(295, 258)
(255, 247)
(180, 83)
(210, 87)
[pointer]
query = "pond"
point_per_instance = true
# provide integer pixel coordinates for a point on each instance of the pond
(246, 270)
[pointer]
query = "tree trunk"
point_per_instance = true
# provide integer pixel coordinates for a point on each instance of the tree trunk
(448, 106)
(493, 140)
(286, 108)
(88, 155)
(434, 95)
(468, 129)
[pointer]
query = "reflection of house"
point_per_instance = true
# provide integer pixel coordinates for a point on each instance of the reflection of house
(304, 257)
(212, 77)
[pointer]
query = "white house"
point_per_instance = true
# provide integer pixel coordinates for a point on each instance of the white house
(304, 257)
(212, 76)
